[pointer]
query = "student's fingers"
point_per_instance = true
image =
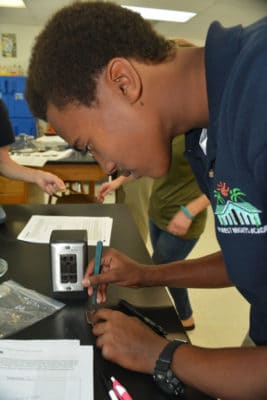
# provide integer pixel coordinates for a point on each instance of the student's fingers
(137, 350)
(60, 185)
(101, 295)
(103, 278)
(102, 315)
(104, 267)
(89, 271)
(116, 268)
(50, 189)
(89, 282)
(105, 192)
(100, 198)
(56, 182)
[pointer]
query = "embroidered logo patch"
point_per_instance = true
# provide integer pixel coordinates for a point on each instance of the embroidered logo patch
(234, 213)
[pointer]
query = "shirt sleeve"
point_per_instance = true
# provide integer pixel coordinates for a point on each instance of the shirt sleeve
(6, 130)
(260, 169)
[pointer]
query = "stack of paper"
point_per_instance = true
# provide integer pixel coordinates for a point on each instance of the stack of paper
(46, 370)
(39, 159)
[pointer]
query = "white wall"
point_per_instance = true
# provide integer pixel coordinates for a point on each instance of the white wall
(25, 36)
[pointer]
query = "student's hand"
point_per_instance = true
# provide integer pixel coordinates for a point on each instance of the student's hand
(126, 340)
(110, 186)
(115, 268)
(48, 182)
(105, 189)
(179, 224)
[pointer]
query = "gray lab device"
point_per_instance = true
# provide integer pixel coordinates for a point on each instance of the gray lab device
(69, 257)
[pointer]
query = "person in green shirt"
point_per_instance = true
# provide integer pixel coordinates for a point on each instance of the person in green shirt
(177, 216)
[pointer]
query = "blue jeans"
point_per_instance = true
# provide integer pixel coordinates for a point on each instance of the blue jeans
(168, 248)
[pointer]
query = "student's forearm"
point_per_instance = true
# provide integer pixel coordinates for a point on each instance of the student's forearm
(197, 205)
(204, 272)
(223, 373)
(12, 170)
(123, 179)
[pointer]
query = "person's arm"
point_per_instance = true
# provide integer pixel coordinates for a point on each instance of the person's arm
(204, 272)
(110, 186)
(224, 373)
(227, 373)
(48, 182)
(180, 223)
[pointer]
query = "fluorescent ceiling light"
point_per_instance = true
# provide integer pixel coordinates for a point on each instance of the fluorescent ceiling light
(161, 14)
(12, 3)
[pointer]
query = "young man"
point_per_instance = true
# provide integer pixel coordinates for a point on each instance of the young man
(110, 85)
(176, 212)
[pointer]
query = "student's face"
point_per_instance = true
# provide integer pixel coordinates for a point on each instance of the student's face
(121, 136)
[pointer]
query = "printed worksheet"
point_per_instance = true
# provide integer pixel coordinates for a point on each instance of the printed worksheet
(39, 228)
(46, 370)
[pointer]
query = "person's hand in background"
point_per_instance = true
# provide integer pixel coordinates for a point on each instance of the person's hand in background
(110, 186)
(179, 224)
(48, 182)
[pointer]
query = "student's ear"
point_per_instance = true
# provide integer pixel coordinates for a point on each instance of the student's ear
(124, 78)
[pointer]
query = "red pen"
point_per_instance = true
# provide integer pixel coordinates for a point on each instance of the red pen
(120, 390)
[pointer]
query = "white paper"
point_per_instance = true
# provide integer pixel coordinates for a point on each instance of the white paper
(39, 159)
(46, 370)
(10, 344)
(39, 228)
(51, 140)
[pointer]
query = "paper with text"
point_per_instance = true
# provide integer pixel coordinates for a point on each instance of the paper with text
(46, 370)
(38, 229)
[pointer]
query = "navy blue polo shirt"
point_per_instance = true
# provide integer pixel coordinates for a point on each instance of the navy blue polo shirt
(6, 130)
(233, 174)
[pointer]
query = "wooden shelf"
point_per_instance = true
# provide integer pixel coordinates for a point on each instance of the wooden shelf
(13, 192)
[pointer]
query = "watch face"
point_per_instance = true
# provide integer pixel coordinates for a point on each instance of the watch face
(169, 383)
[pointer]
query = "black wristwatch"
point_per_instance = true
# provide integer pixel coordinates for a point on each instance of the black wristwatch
(163, 375)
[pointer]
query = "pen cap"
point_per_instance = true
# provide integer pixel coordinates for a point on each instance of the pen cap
(108, 386)
(120, 390)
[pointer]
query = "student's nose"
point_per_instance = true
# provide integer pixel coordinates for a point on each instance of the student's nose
(109, 167)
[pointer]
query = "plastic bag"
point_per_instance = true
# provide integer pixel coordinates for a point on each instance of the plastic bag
(21, 307)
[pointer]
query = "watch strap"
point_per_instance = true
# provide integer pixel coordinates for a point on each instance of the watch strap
(163, 375)
(166, 355)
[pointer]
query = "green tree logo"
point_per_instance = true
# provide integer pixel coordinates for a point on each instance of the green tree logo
(236, 195)
(219, 197)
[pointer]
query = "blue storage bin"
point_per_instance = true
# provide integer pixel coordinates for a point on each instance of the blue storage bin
(12, 90)
(8, 100)
(24, 125)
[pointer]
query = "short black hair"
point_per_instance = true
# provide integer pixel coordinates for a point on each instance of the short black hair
(77, 43)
